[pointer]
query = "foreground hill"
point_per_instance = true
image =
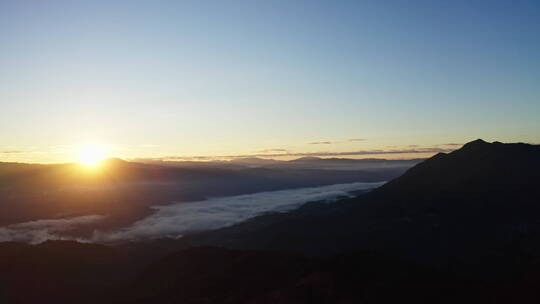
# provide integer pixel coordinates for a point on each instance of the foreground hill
(69, 272)
(58, 272)
(217, 275)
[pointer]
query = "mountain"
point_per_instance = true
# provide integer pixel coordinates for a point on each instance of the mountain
(461, 227)
(58, 272)
(352, 164)
(126, 191)
(473, 206)
(253, 161)
(68, 272)
(217, 275)
(307, 159)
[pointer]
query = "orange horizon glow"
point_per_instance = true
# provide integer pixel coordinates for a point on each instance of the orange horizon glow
(91, 153)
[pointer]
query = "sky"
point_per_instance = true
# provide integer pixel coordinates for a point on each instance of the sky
(152, 79)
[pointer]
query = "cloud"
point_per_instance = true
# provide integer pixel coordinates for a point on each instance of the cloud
(178, 219)
(41, 230)
(272, 150)
(321, 143)
(12, 152)
(350, 153)
(335, 142)
(452, 144)
(179, 158)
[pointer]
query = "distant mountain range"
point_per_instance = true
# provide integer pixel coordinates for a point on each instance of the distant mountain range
(462, 227)
(300, 163)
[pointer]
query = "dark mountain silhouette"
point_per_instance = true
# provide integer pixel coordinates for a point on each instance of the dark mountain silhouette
(473, 205)
(461, 227)
(217, 275)
(58, 272)
(71, 272)
(471, 214)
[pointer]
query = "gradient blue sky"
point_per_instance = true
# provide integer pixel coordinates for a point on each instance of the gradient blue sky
(186, 78)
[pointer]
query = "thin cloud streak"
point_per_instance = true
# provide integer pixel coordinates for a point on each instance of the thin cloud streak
(322, 143)
(272, 150)
(452, 144)
(335, 142)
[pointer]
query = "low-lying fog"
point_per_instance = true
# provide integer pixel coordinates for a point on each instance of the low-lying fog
(177, 219)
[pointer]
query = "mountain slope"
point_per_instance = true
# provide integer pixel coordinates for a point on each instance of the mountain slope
(58, 272)
(217, 275)
(473, 213)
(475, 205)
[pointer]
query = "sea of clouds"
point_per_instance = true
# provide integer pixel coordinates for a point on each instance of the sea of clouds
(177, 219)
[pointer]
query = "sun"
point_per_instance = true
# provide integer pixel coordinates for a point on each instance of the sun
(91, 155)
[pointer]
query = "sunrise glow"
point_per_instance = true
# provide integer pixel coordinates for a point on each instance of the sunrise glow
(91, 155)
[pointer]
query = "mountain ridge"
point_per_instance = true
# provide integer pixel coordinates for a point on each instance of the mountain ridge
(448, 230)
(450, 207)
